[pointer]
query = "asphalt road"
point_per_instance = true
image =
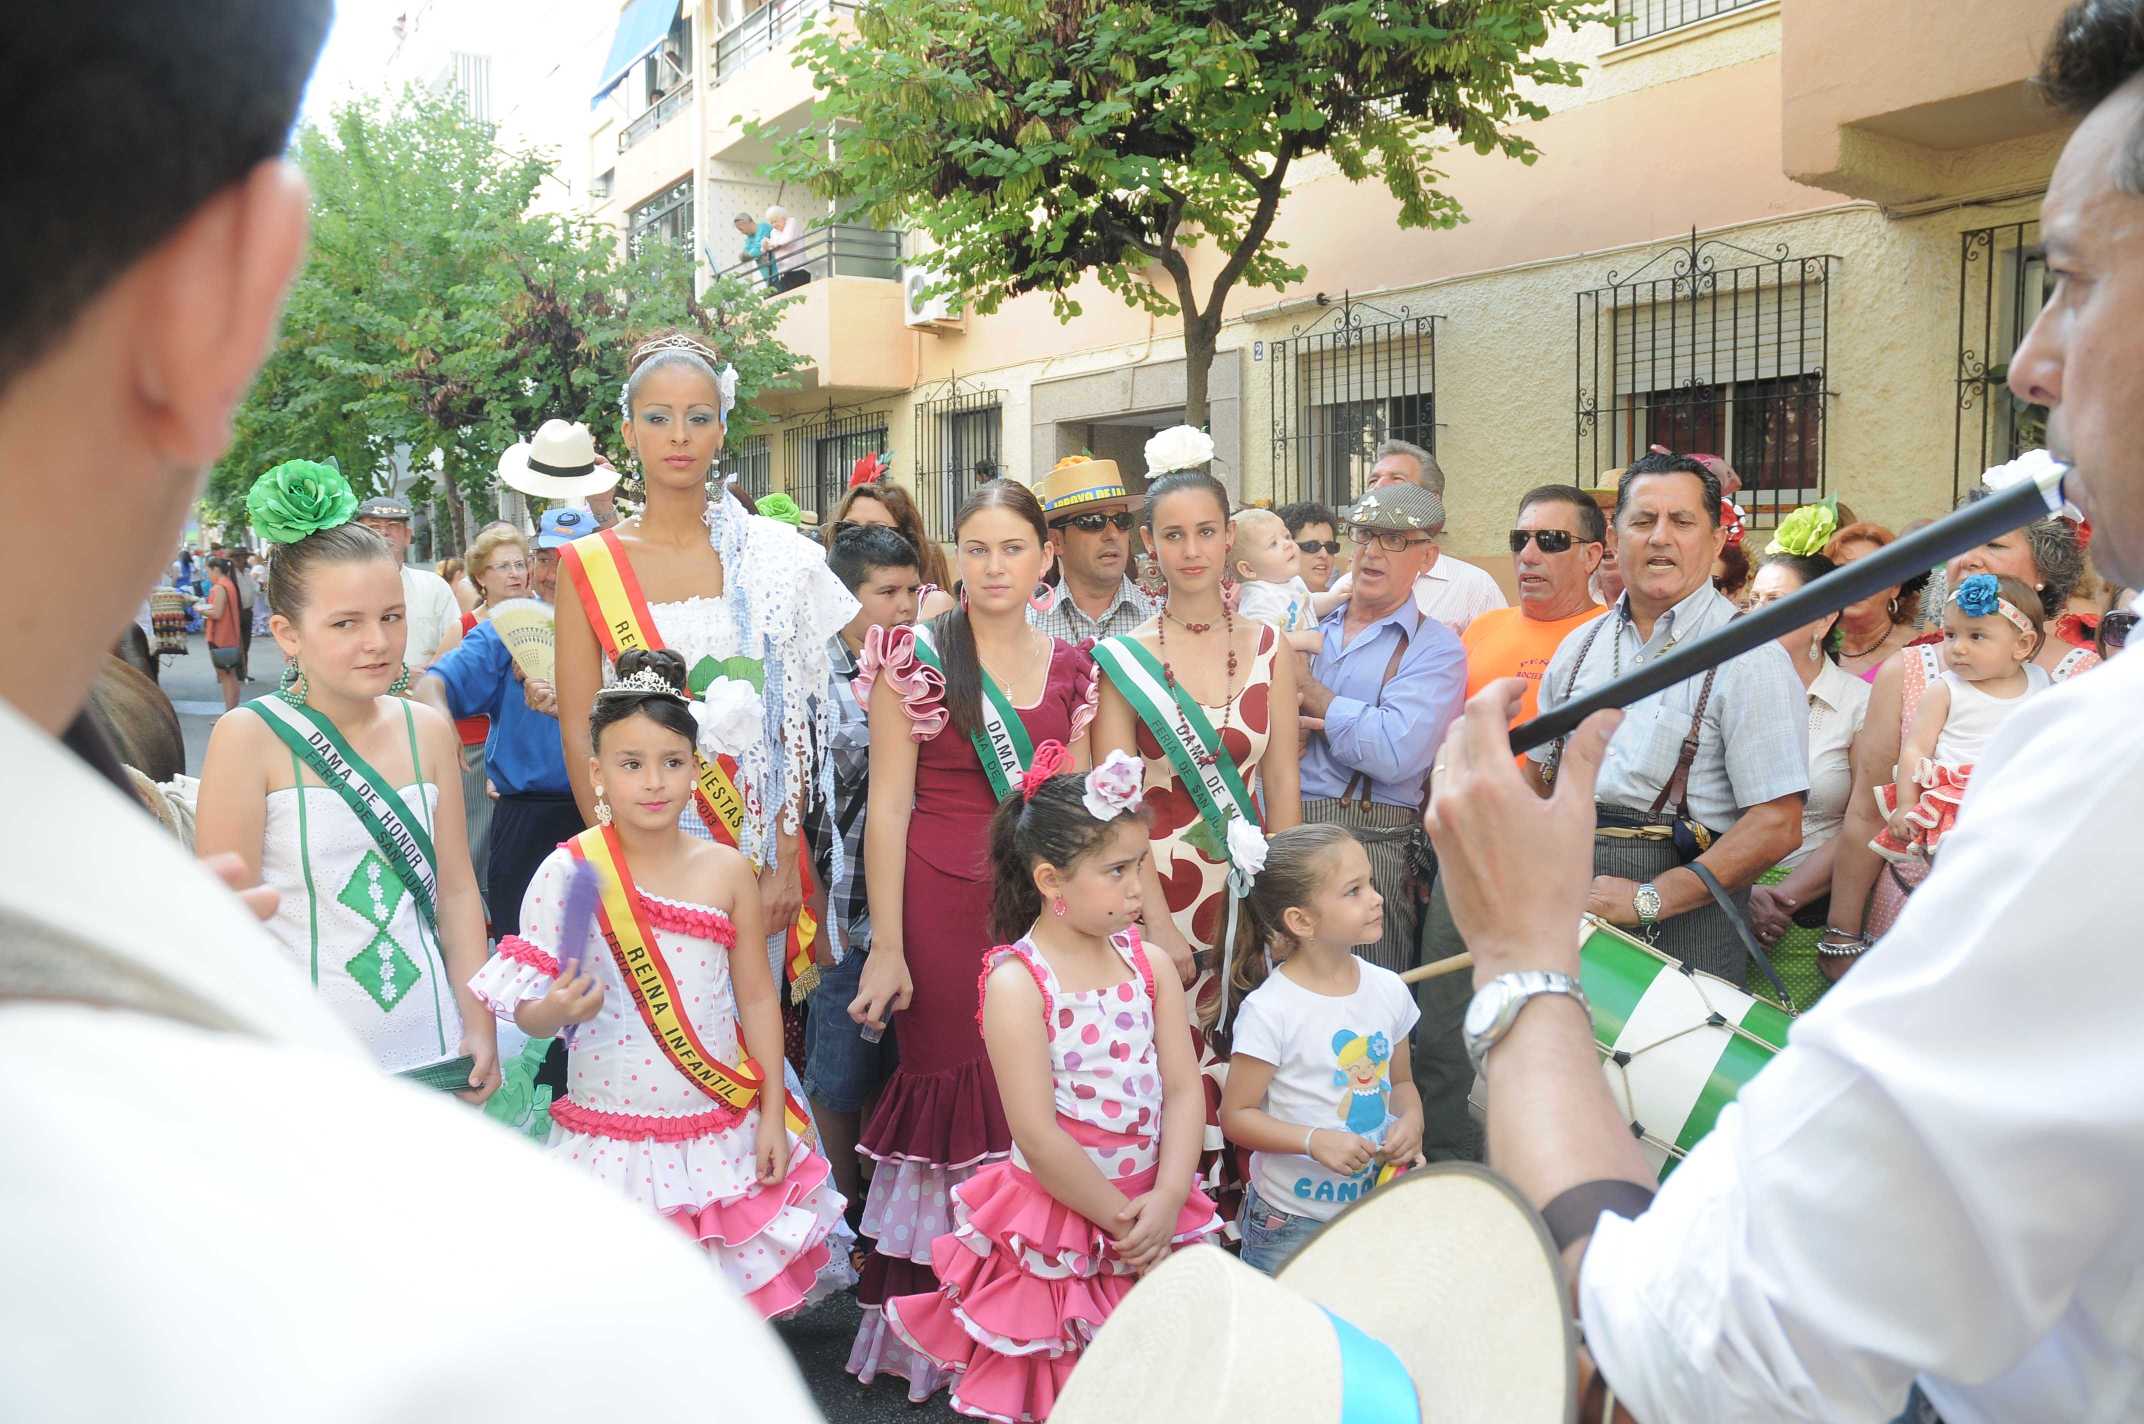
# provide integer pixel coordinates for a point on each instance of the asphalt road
(820, 1339)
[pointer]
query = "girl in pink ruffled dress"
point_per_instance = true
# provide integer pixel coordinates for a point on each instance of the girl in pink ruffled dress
(1093, 1060)
(649, 1117)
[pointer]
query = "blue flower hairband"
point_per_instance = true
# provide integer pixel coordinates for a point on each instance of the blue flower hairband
(1981, 594)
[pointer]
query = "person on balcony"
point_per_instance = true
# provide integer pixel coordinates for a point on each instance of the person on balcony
(787, 249)
(755, 236)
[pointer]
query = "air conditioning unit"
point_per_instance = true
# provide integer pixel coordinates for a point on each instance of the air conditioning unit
(942, 311)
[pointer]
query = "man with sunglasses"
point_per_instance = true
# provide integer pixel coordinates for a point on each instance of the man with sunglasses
(1091, 515)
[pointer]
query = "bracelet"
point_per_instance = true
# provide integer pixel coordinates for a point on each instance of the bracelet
(1837, 944)
(1308, 1133)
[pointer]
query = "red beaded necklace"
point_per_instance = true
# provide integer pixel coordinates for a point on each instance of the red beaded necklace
(1228, 687)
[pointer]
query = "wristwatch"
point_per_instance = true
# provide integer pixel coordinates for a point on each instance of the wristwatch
(1646, 901)
(1496, 1004)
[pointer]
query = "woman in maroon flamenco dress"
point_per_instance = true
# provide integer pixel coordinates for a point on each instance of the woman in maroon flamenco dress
(926, 855)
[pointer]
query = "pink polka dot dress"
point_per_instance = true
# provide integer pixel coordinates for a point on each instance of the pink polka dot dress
(1024, 1280)
(635, 1122)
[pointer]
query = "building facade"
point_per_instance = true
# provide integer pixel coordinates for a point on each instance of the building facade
(1797, 232)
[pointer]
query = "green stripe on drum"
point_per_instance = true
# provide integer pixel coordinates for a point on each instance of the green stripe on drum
(1616, 974)
(1739, 1063)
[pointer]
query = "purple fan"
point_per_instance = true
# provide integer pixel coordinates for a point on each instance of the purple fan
(577, 917)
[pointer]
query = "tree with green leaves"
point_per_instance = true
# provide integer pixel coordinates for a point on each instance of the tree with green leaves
(1036, 141)
(437, 311)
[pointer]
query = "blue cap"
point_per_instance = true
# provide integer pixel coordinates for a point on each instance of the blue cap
(562, 526)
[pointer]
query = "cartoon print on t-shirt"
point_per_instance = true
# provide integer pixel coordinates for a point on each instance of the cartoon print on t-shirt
(1360, 1066)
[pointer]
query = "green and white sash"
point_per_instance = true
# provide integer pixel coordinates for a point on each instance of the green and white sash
(403, 844)
(1001, 742)
(1209, 774)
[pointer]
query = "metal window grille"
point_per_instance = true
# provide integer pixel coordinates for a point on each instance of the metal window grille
(959, 436)
(751, 460)
(2002, 284)
(1342, 385)
(820, 455)
(1642, 19)
(836, 250)
(666, 217)
(1699, 357)
(472, 81)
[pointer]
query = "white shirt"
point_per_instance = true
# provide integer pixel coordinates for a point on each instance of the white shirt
(1838, 703)
(247, 589)
(1285, 605)
(1455, 592)
(429, 606)
(255, 1225)
(1943, 1176)
(1331, 1068)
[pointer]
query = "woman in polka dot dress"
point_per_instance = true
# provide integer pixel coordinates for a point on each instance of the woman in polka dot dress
(744, 1182)
(1092, 1056)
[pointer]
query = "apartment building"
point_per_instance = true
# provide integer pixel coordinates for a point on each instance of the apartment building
(1798, 232)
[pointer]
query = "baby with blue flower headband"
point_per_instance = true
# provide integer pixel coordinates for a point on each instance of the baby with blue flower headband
(1991, 632)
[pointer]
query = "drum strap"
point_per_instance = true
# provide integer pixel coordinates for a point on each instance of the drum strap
(1742, 930)
(1573, 1213)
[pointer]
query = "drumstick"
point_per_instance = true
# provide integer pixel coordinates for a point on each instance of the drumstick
(1438, 970)
(1898, 561)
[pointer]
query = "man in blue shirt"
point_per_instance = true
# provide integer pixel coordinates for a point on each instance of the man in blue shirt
(1378, 698)
(524, 755)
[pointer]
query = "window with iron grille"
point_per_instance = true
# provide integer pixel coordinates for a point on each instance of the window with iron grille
(1701, 358)
(1642, 19)
(1346, 383)
(666, 217)
(959, 434)
(2002, 284)
(821, 454)
(751, 460)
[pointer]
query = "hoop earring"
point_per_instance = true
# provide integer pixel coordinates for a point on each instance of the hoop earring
(293, 687)
(1894, 610)
(1057, 907)
(602, 809)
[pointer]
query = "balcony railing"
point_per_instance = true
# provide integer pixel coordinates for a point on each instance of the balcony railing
(661, 112)
(836, 250)
(765, 28)
(1642, 19)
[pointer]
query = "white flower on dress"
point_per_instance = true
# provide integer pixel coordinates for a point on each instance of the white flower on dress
(1246, 847)
(1180, 447)
(2032, 465)
(729, 717)
(1113, 787)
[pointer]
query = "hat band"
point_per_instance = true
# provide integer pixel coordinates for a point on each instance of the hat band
(1091, 493)
(1375, 1387)
(563, 471)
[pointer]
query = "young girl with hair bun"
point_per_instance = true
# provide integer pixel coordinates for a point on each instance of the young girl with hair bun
(1319, 1087)
(1092, 1055)
(632, 931)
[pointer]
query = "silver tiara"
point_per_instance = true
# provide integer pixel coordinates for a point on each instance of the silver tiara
(642, 683)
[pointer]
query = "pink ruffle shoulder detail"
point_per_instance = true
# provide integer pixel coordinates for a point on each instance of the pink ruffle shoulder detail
(519, 950)
(1090, 702)
(682, 917)
(891, 653)
(516, 973)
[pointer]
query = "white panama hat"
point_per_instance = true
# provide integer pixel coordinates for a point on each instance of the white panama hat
(558, 463)
(1447, 1271)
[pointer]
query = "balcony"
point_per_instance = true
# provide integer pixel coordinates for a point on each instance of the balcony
(745, 84)
(1881, 101)
(844, 314)
(1637, 20)
(661, 112)
(765, 29)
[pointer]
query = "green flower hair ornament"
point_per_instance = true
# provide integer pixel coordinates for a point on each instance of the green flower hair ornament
(782, 507)
(297, 498)
(1807, 530)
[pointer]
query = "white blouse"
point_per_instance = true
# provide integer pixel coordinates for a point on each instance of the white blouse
(1838, 702)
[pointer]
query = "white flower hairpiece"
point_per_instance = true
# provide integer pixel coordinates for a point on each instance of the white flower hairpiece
(725, 374)
(2032, 465)
(1113, 788)
(729, 714)
(1246, 852)
(1180, 447)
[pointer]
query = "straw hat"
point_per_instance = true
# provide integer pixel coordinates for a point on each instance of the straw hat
(559, 462)
(1078, 481)
(1447, 1268)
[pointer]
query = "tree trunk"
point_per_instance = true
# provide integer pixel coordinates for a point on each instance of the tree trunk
(1200, 336)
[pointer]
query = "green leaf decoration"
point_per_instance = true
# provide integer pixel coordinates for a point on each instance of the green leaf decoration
(703, 674)
(1202, 839)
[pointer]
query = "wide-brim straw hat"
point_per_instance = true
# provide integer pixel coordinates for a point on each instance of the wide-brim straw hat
(558, 462)
(1448, 1268)
(1078, 481)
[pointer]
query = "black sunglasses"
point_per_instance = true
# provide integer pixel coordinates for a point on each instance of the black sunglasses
(1552, 541)
(1123, 519)
(2115, 627)
(1316, 546)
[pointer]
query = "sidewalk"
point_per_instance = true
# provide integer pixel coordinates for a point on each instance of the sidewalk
(190, 683)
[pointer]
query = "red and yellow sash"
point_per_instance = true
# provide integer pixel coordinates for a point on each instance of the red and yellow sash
(654, 991)
(617, 611)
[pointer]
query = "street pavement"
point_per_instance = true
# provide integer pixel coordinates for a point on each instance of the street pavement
(819, 1339)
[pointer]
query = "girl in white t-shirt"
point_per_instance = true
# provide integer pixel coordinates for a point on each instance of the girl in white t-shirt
(1319, 1087)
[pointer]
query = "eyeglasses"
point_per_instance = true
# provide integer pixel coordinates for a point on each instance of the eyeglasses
(2114, 629)
(1551, 541)
(507, 566)
(1318, 546)
(1391, 541)
(1122, 520)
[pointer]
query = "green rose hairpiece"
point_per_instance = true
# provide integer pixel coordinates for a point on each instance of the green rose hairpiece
(781, 506)
(1807, 530)
(297, 498)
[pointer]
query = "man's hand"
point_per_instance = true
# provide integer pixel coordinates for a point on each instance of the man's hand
(1517, 869)
(1770, 916)
(1316, 696)
(540, 696)
(1614, 899)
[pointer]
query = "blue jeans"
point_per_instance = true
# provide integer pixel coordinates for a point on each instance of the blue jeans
(1271, 1236)
(840, 1069)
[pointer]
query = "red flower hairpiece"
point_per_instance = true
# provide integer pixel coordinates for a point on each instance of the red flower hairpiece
(867, 470)
(1051, 759)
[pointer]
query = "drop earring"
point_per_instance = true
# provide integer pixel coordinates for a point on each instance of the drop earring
(1057, 907)
(602, 808)
(293, 687)
(1816, 647)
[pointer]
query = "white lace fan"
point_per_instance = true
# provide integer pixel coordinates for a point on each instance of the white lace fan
(527, 628)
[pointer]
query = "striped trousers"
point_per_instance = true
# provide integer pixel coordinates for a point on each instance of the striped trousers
(1383, 831)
